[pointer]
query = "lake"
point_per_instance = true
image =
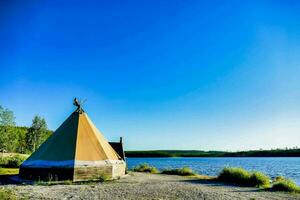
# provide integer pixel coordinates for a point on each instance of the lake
(287, 167)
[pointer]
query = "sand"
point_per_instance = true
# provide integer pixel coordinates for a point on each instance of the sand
(147, 186)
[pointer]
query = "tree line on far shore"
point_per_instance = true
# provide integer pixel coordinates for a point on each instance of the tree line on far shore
(288, 152)
(21, 139)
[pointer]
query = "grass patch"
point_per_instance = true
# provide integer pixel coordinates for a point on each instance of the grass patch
(279, 178)
(260, 180)
(285, 185)
(242, 177)
(55, 181)
(145, 168)
(70, 182)
(9, 171)
(11, 161)
(185, 171)
(7, 195)
(50, 183)
(234, 175)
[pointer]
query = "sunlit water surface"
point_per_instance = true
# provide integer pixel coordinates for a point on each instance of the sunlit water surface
(287, 167)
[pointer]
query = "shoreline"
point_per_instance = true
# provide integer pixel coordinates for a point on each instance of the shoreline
(147, 186)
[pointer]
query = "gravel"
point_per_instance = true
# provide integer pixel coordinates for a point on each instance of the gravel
(147, 186)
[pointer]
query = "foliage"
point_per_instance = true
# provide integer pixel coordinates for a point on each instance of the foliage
(15, 161)
(20, 145)
(103, 178)
(286, 185)
(235, 175)
(279, 178)
(7, 139)
(171, 153)
(185, 171)
(54, 181)
(144, 167)
(7, 195)
(21, 139)
(294, 152)
(7, 117)
(7, 121)
(259, 179)
(36, 133)
(242, 177)
(12, 161)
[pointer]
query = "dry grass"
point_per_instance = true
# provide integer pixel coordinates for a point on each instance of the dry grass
(7, 195)
(243, 177)
(9, 171)
(185, 171)
(285, 185)
(145, 168)
(11, 160)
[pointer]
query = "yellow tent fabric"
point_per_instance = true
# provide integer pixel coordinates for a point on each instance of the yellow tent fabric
(77, 143)
(91, 145)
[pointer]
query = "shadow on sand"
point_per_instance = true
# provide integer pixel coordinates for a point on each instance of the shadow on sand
(13, 179)
(216, 183)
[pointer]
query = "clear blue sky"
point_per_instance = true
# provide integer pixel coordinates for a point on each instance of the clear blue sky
(211, 75)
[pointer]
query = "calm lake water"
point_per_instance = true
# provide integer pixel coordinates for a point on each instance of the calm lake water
(288, 167)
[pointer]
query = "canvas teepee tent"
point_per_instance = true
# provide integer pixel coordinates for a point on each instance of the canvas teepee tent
(76, 151)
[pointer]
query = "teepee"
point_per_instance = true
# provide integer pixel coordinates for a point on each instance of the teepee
(76, 151)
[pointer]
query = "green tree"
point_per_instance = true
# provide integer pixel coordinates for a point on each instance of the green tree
(7, 137)
(36, 133)
(21, 145)
(7, 117)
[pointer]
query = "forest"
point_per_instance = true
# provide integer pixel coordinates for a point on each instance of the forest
(20, 139)
(287, 152)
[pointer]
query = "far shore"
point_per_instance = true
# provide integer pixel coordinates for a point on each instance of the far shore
(201, 154)
(294, 152)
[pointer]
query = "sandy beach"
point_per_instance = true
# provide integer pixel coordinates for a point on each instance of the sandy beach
(147, 186)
